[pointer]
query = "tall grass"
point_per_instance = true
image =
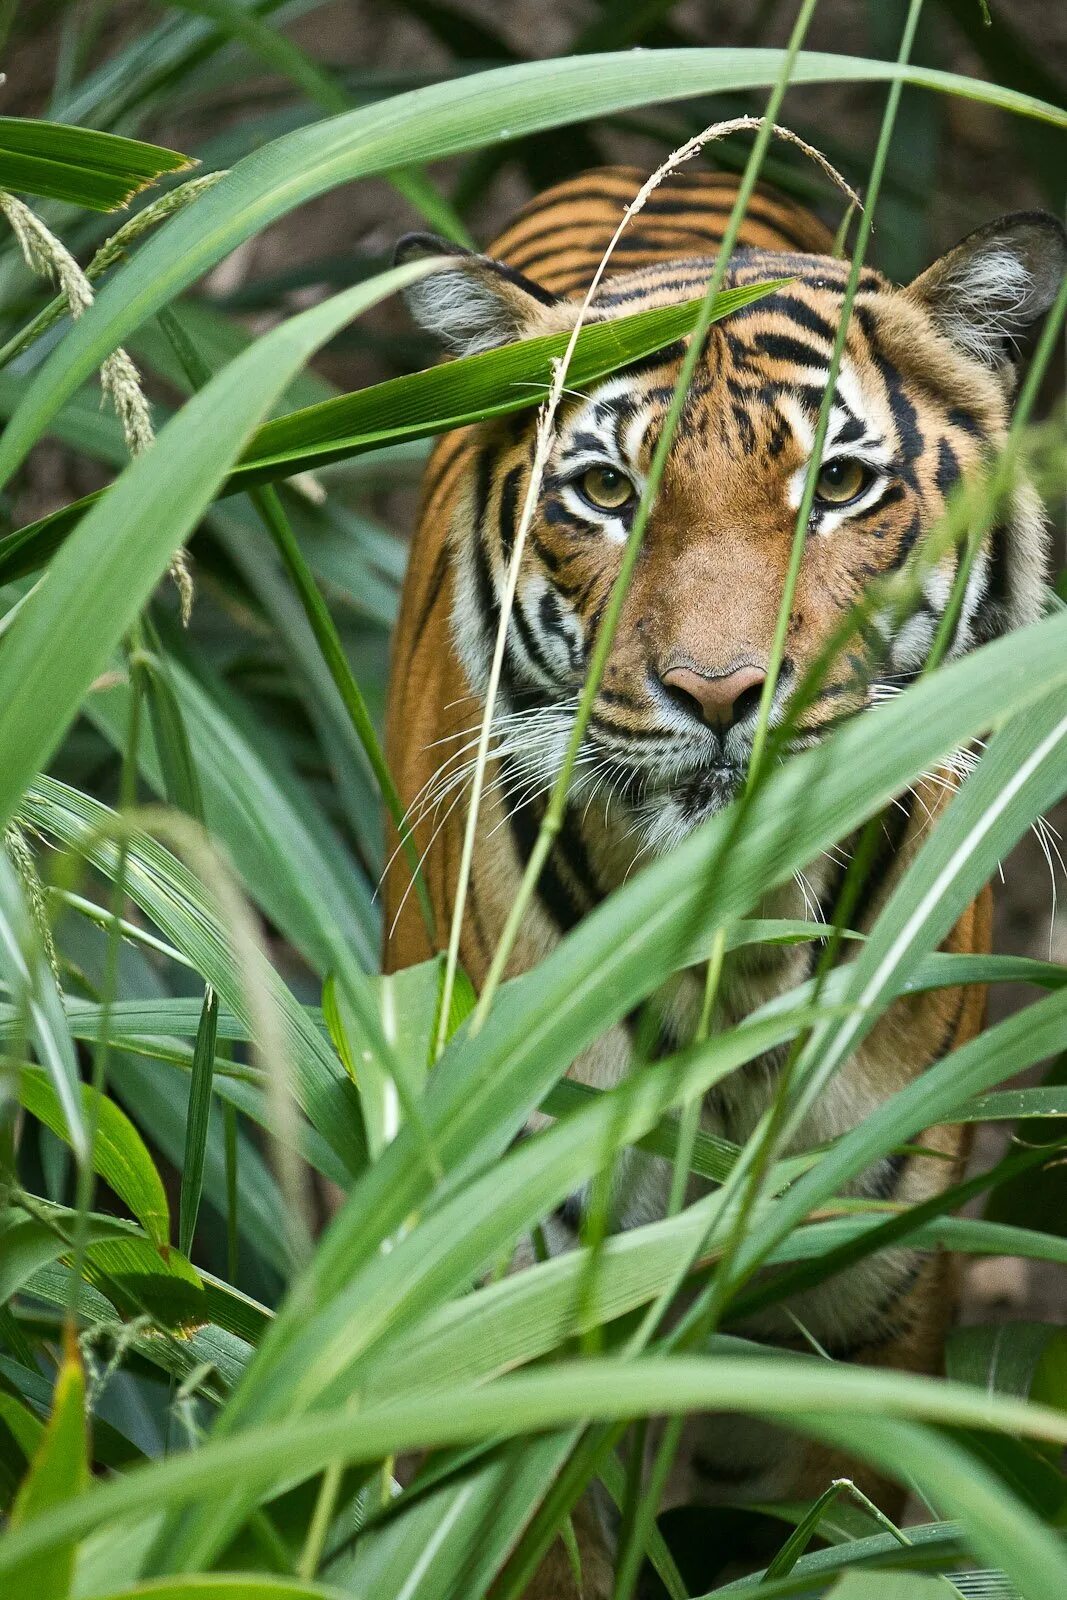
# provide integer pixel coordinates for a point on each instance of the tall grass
(257, 1198)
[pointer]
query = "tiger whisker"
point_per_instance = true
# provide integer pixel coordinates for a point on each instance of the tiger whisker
(422, 862)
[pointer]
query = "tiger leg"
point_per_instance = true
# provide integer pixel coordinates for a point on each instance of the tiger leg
(737, 1460)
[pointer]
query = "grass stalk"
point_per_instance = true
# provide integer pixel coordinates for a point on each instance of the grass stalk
(85, 1173)
(635, 1536)
(807, 499)
(766, 1138)
(754, 1165)
(553, 818)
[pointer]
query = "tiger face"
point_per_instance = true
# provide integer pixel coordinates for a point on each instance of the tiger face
(922, 399)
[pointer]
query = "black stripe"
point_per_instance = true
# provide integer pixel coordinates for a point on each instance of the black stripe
(652, 363)
(908, 538)
(905, 416)
(571, 846)
(959, 418)
(764, 216)
(990, 616)
(891, 835)
(885, 1320)
(796, 310)
(780, 432)
(883, 1180)
(745, 429)
(546, 242)
(524, 821)
(622, 730)
(616, 409)
(551, 618)
(545, 555)
(433, 593)
(483, 485)
(615, 697)
(575, 237)
(509, 496)
(558, 897)
(509, 270)
(557, 515)
(531, 643)
(948, 467)
(587, 441)
(593, 194)
(689, 285)
(783, 347)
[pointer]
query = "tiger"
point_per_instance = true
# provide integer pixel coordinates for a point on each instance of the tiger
(923, 397)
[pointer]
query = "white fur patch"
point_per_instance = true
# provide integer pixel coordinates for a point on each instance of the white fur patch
(462, 309)
(987, 302)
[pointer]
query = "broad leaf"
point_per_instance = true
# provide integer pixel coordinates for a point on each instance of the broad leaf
(119, 1153)
(58, 1473)
(79, 165)
(492, 384)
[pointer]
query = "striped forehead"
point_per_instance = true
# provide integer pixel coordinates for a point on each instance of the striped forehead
(859, 413)
(769, 361)
(612, 423)
(609, 422)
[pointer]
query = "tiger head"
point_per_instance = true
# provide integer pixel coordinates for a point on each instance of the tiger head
(922, 400)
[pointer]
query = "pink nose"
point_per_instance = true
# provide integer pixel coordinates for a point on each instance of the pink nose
(717, 701)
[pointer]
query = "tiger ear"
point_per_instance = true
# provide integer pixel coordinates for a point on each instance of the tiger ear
(474, 303)
(995, 283)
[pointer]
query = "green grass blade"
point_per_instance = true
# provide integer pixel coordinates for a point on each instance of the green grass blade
(196, 1126)
(801, 1392)
(1022, 774)
(293, 862)
(1004, 1105)
(32, 986)
(170, 895)
(1000, 1529)
(484, 1088)
(120, 1156)
(26, 1247)
(932, 1544)
(159, 1101)
(494, 383)
(58, 1473)
(178, 768)
(1024, 1359)
(893, 1586)
(227, 1586)
(1024, 1039)
(79, 165)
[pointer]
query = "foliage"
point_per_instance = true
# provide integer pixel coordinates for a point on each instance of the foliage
(201, 1062)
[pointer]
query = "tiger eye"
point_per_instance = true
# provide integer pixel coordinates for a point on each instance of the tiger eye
(841, 480)
(606, 488)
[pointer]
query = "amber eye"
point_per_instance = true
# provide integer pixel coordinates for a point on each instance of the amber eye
(606, 488)
(841, 481)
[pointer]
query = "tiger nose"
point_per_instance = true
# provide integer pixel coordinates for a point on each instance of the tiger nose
(718, 701)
